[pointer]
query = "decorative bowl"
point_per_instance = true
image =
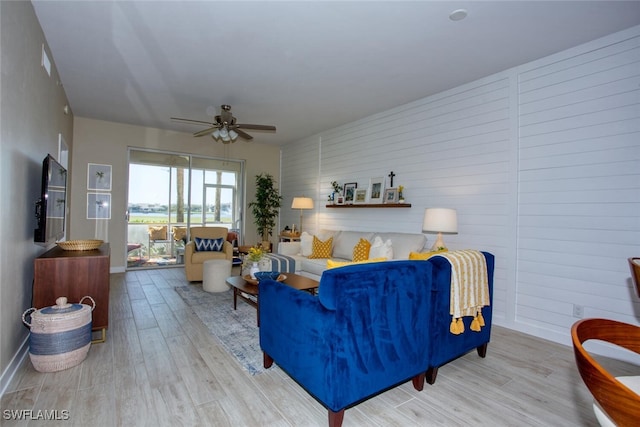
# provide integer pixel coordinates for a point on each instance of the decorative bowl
(80, 245)
(263, 275)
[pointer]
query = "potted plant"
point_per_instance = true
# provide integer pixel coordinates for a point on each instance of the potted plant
(265, 206)
(337, 192)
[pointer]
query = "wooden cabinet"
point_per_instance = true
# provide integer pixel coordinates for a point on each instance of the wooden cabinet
(74, 274)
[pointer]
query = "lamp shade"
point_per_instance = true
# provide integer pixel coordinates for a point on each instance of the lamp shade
(302, 203)
(440, 220)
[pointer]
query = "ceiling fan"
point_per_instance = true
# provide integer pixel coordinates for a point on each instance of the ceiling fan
(224, 127)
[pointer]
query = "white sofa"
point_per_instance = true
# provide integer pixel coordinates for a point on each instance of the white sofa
(395, 246)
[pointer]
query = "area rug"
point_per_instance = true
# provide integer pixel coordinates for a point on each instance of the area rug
(235, 329)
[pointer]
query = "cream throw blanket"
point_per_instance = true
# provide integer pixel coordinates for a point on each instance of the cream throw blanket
(469, 288)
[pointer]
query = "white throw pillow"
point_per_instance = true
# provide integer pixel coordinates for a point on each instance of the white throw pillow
(380, 249)
(306, 243)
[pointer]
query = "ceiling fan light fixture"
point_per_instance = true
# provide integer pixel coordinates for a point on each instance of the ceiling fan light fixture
(224, 132)
(233, 134)
(215, 134)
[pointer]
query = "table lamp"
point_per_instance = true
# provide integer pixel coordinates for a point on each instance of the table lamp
(440, 220)
(302, 203)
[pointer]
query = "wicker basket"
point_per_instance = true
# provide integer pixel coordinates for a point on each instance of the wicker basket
(80, 245)
(60, 335)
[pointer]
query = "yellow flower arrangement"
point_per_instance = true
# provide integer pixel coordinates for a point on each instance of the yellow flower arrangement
(255, 254)
(400, 188)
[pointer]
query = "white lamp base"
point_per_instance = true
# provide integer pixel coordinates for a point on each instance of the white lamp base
(439, 244)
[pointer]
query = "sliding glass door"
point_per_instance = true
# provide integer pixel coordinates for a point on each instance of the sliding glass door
(168, 194)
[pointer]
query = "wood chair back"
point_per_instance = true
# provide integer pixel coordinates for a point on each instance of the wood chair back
(634, 265)
(620, 403)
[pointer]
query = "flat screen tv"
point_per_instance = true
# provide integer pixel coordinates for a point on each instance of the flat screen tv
(51, 206)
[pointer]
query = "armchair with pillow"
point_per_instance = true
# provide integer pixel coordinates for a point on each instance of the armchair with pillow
(206, 243)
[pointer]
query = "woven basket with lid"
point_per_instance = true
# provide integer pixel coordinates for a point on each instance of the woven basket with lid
(60, 335)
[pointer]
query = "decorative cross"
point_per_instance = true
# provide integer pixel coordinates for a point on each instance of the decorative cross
(391, 175)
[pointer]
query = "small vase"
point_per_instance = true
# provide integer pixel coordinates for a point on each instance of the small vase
(253, 270)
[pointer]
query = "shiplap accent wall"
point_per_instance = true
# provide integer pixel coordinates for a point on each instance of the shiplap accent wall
(579, 195)
(542, 163)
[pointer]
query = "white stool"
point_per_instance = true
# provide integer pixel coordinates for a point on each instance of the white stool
(214, 275)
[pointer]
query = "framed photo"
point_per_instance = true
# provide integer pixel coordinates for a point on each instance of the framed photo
(349, 192)
(98, 206)
(376, 190)
(391, 195)
(360, 196)
(98, 177)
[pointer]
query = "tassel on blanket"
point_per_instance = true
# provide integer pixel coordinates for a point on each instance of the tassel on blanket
(478, 322)
(457, 326)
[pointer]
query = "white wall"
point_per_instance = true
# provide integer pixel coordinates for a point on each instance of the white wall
(542, 163)
(31, 118)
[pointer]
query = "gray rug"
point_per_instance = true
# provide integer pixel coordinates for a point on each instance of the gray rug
(235, 329)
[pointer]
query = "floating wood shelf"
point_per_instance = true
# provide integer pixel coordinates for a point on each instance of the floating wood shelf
(374, 205)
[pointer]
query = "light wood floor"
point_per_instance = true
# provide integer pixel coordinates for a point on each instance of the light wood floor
(161, 367)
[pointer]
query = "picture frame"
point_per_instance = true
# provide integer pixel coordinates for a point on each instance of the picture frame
(391, 195)
(376, 190)
(98, 177)
(349, 192)
(360, 196)
(98, 205)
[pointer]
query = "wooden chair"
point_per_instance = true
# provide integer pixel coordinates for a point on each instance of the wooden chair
(634, 265)
(617, 400)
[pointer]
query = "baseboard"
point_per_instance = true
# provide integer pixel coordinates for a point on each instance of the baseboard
(14, 365)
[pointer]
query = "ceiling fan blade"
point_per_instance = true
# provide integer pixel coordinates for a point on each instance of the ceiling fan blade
(243, 134)
(205, 132)
(191, 121)
(256, 127)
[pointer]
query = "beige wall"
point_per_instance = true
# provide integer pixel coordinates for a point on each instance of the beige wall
(31, 117)
(102, 142)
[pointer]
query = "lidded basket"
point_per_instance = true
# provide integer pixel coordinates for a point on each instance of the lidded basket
(60, 335)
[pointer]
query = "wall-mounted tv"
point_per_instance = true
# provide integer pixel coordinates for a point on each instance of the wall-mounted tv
(52, 205)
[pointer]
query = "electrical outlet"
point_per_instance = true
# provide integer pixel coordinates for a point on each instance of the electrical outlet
(578, 311)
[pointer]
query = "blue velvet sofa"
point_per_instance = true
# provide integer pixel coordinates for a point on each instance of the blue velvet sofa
(370, 327)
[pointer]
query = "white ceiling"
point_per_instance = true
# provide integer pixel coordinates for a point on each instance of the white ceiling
(303, 66)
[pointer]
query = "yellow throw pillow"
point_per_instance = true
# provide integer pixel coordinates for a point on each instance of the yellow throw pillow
(321, 249)
(361, 250)
(334, 264)
(424, 255)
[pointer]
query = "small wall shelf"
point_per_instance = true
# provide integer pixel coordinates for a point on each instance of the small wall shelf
(374, 205)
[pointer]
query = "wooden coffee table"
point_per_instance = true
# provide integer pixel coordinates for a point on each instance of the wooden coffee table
(241, 286)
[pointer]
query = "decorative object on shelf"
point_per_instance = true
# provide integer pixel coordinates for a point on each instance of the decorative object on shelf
(256, 280)
(98, 205)
(391, 175)
(349, 192)
(98, 177)
(360, 196)
(440, 220)
(400, 195)
(80, 245)
(302, 203)
(390, 195)
(265, 206)
(376, 190)
(337, 193)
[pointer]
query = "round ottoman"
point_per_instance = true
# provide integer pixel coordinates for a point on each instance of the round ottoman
(214, 274)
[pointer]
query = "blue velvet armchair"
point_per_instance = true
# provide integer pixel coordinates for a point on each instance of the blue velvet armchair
(365, 331)
(447, 346)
